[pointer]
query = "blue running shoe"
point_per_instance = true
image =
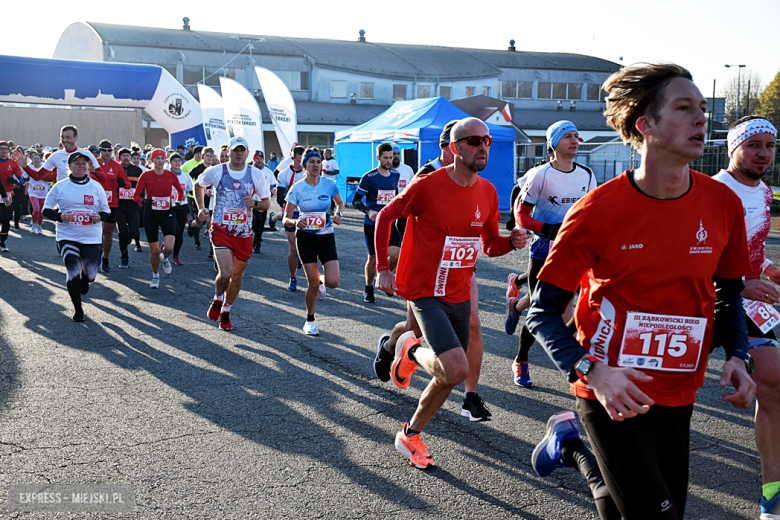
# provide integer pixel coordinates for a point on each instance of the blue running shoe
(770, 509)
(547, 454)
(522, 375)
(293, 285)
(512, 316)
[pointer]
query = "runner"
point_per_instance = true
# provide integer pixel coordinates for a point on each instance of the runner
(751, 146)
(158, 185)
(235, 185)
(10, 171)
(314, 232)
(180, 206)
(287, 177)
(128, 211)
(38, 191)
(548, 194)
(642, 341)
(197, 158)
(472, 406)
(115, 179)
(259, 217)
(69, 136)
(379, 187)
(405, 172)
(330, 168)
(281, 189)
(78, 204)
(435, 269)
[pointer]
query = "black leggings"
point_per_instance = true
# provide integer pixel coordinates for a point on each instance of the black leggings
(81, 261)
(644, 459)
(181, 213)
(128, 226)
(258, 223)
(19, 204)
(526, 338)
(6, 214)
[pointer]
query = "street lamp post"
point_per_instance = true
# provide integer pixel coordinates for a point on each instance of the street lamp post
(738, 85)
(251, 60)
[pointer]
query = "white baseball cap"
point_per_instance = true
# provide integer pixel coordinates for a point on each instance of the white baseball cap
(236, 142)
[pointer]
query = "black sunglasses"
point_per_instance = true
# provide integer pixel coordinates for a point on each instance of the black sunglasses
(476, 140)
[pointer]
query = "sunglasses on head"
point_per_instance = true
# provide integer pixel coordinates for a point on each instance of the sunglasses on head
(476, 140)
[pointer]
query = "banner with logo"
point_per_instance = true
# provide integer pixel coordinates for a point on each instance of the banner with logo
(281, 107)
(98, 84)
(213, 117)
(242, 114)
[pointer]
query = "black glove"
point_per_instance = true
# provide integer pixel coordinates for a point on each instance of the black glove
(550, 230)
(120, 182)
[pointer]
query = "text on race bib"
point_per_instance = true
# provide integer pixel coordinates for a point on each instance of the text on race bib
(81, 218)
(763, 315)
(161, 203)
(385, 197)
(460, 252)
(109, 196)
(234, 216)
(314, 220)
(658, 342)
(126, 193)
(39, 188)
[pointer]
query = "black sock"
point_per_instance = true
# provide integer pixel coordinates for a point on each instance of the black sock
(293, 279)
(74, 290)
(576, 455)
(409, 432)
(310, 317)
(466, 395)
(369, 289)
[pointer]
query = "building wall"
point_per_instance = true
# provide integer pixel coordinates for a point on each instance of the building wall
(30, 125)
(537, 77)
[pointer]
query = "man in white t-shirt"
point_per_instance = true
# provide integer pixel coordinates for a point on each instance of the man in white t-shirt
(235, 186)
(258, 222)
(69, 136)
(405, 171)
(751, 147)
(330, 168)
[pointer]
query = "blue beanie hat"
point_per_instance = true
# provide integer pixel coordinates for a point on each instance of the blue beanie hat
(396, 148)
(557, 130)
(309, 155)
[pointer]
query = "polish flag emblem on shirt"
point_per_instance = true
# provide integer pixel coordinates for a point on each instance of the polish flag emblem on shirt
(89, 199)
(236, 185)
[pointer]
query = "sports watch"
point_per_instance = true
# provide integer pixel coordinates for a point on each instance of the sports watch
(585, 366)
(747, 358)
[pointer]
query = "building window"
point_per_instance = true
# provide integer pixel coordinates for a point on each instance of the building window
(508, 89)
(321, 140)
(338, 88)
(559, 91)
(470, 91)
(423, 91)
(485, 91)
(593, 92)
(294, 79)
(538, 151)
(399, 92)
(213, 75)
(544, 90)
(445, 92)
(525, 89)
(192, 75)
(366, 90)
(574, 91)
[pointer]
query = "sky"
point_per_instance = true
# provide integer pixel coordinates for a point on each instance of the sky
(701, 36)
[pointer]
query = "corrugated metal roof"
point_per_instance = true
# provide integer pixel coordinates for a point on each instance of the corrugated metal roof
(539, 119)
(410, 61)
(310, 113)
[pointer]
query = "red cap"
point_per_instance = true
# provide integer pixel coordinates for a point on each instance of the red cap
(156, 153)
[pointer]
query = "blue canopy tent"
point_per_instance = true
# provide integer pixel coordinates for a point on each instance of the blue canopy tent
(418, 124)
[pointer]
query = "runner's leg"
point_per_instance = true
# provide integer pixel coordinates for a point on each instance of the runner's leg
(474, 352)
(767, 378)
(224, 258)
(235, 280)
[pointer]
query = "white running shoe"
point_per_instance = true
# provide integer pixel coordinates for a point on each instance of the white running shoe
(155, 282)
(322, 291)
(310, 328)
(166, 264)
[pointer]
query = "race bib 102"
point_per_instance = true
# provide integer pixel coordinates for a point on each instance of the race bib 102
(460, 252)
(658, 342)
(314, 220)
(763, 315)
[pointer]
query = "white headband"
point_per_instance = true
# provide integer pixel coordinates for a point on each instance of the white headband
(742, 131)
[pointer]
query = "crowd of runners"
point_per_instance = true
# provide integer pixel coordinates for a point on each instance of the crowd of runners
(629, 285)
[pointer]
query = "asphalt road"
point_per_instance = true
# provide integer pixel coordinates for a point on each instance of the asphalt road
(264, 422)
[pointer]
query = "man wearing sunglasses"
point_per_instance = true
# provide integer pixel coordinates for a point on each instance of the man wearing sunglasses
(435, 269)
(547, 195)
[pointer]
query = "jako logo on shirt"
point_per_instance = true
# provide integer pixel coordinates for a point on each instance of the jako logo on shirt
(236, 185)
(476, 222)
(89, 199)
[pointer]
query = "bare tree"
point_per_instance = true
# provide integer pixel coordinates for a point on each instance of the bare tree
(750, 90)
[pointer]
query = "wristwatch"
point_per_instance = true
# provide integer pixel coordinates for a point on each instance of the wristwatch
(585, 366)
(339, 214)
(747, 358)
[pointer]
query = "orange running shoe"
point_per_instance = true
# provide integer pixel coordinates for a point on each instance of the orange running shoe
(403, 367)
(413, 448)
(512, 290)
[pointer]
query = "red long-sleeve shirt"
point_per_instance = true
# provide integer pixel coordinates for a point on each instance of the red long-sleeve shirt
(158, 187)
(112, 170)
(8, 169)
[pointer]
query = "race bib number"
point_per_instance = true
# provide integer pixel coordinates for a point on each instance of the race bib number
(38, 188)
(161, 203)
(109, 196)
(460, 252)
(126, 193)
(384, 197)
(81, 218)
(763, 315)
(314, 220)
(658, 342)
(234, 217)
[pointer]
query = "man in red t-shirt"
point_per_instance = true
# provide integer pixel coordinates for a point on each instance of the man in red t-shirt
(645, 249)
(434, 271)
(115, 178)
(9, 172)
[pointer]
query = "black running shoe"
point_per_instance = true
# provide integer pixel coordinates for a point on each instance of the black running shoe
(368, 296)
(197, 247)
(271, 221)
(474, 408)
(383, 359)
(79, 316)
(138, 248)
(104, 267)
